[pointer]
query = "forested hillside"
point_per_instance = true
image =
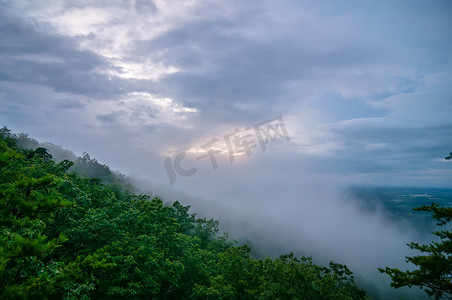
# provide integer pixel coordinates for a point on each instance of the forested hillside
(64, 236)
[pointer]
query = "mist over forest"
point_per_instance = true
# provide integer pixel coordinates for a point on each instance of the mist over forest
(363, 227)
(165, 149)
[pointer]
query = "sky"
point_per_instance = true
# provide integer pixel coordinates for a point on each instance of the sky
(364, 88)
(176, 93)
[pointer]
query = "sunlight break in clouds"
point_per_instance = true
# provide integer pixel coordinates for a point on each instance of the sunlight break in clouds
(112, 30)
(143, 109)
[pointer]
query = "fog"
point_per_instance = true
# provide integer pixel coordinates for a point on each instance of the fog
(280, 203)
(260, 203)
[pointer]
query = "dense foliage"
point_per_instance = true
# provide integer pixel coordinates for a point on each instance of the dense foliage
(434, 267)
(68, 237)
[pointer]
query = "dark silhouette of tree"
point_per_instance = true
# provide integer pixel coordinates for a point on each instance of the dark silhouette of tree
(434, 272)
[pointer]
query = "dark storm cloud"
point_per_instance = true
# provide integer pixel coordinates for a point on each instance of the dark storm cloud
(111, 117)
(224, 68)
(30, 54)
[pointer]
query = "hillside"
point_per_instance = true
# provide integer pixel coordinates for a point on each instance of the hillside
(69, 237)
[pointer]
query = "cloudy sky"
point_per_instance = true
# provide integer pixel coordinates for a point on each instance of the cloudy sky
(364, 88)
(177, 92)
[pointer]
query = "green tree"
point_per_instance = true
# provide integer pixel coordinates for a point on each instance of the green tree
(68, 237)
(434, 267)
(29, 200)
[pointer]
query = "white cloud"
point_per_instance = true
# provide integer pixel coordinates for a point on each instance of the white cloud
(145, 69)
(142, 109)
(111, 29)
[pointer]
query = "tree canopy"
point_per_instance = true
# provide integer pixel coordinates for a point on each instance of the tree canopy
(69, 237)
(434, 267)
